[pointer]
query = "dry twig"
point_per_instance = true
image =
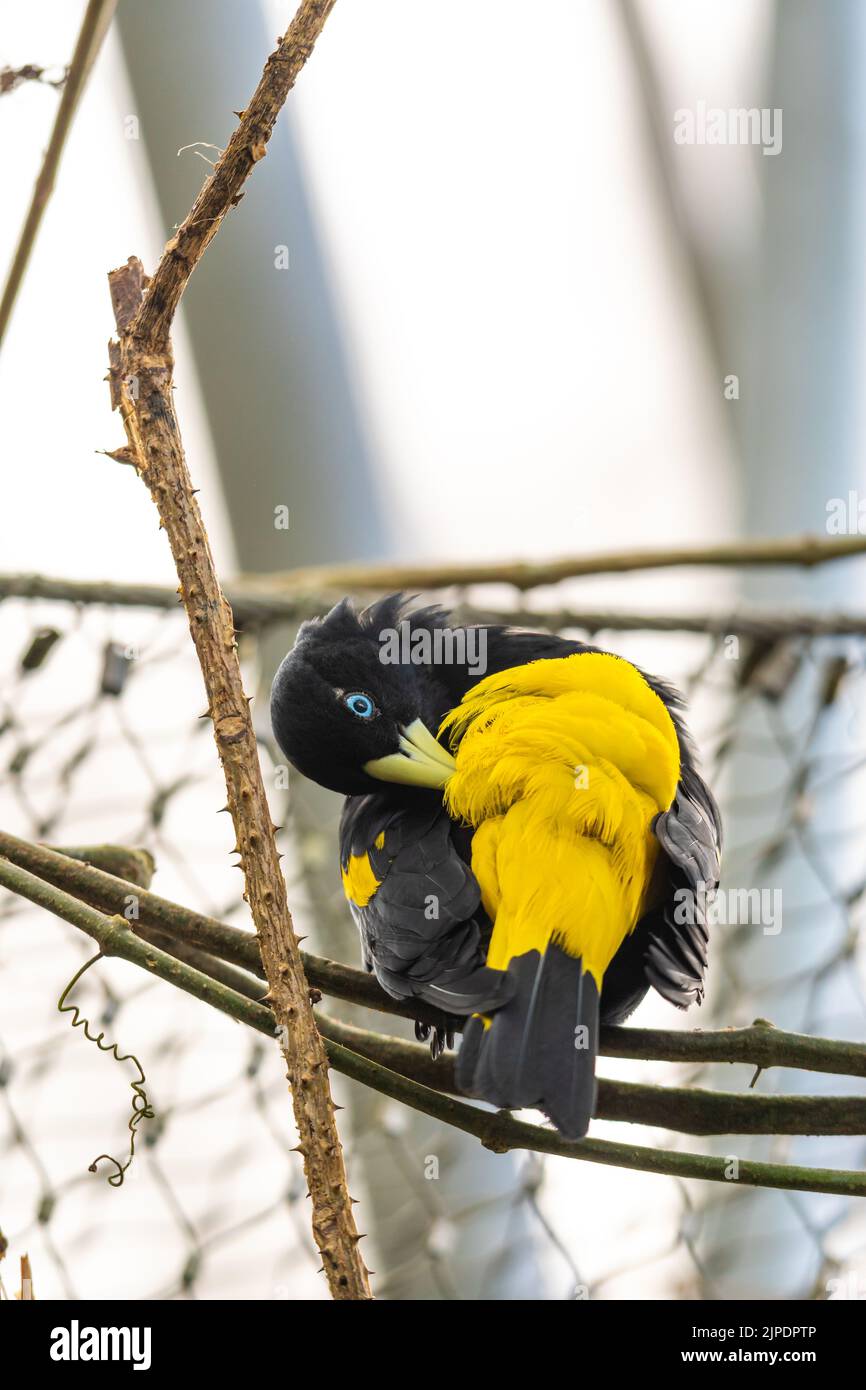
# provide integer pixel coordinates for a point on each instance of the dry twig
(805, 551)
(252, 606)
(94, 26)
(11, 78)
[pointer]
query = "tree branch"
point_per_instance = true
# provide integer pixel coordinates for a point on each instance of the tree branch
(94, 26)
(132, 866)
(247, 985)
(115, 937)
(252, 609)
(111, 894)
(499, 1132)
(151, 328)
(806, 551)
(687, 1110)
(759, 1045)
(141, 387)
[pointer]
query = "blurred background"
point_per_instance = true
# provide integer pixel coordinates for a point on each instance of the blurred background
(477, 303)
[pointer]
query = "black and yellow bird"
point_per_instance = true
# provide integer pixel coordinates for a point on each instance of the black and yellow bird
(525, 850)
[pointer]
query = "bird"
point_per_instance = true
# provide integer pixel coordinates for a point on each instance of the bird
(526, 842)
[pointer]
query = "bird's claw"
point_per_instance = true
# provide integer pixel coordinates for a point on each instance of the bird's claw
(441, 1036)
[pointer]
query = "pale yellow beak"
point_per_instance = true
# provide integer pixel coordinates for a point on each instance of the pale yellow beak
(421, 762)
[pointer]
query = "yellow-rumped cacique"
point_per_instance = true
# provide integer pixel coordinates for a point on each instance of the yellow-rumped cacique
(526, 842)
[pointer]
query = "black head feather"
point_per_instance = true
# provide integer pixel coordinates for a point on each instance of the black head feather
(339, 655)
(345, 652)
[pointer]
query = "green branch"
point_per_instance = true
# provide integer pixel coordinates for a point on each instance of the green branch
(499, 1132)
(132, 865)
(112, 894)
(685, 1109)
(116, 938)
(759, 1045)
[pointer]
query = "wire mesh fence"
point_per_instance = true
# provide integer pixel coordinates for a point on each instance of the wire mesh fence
(101, 740)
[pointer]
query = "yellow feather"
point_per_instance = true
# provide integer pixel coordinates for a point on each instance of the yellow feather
(561, 766)
(359, 881)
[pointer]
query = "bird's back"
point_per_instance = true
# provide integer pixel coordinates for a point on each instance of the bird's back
(562, 766)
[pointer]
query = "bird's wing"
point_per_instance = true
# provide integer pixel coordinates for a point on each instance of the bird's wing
(416, 903)
(690, 833)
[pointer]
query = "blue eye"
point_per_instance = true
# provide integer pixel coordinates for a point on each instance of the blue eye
(361, 705)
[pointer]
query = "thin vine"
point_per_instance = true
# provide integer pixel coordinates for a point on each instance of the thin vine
(141, 1107)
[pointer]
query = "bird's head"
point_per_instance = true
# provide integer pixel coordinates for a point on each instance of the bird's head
(348, 715)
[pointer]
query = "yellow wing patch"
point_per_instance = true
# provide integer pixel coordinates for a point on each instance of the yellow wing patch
(561, 766)
(359, 880)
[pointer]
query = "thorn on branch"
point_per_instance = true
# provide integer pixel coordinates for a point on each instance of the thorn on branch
(122, 455)
(126, 286)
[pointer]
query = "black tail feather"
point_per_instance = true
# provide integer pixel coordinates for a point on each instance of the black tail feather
(539, 1049)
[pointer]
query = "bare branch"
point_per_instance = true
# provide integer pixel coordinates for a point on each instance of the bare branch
(151, 329)
(805, 551)
(252, 608)
(141, 387)
(499, 1132)
(133, 866)
(26, 1294)
(689, 1110)
(684, 236)
(94, 26)
(759, 1045)
(115, 937)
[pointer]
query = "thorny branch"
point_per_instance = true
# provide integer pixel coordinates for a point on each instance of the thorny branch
(141, 387)
(147, 328)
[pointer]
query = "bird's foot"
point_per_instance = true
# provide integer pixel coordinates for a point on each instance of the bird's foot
(440, 1035)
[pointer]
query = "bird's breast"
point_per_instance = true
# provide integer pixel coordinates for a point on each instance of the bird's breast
(582, 738)
(561, 766)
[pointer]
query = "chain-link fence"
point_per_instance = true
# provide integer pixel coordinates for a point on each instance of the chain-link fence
(102, 742)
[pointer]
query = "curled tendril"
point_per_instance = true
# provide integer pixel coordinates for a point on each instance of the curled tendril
(141, 1107)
